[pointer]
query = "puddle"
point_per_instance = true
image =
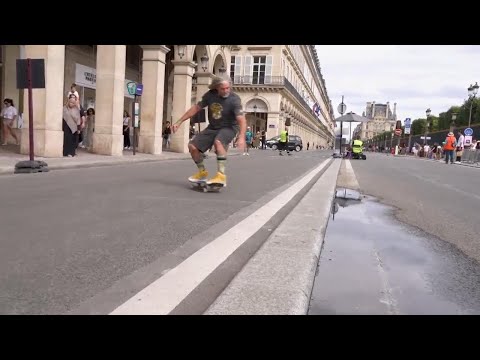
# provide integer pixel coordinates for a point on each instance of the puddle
(372, 264)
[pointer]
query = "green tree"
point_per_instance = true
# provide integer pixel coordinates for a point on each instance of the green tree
(418, 126)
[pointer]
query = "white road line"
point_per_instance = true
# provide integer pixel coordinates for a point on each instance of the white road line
(164, 294)
(351, 174)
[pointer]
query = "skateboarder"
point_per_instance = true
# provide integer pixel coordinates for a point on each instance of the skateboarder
(226, 117)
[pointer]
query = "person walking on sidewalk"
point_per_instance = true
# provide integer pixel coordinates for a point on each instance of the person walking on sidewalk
(226, 116)
(9, 114)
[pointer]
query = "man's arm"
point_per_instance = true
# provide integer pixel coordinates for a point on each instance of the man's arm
(190, 112)
(242, 122)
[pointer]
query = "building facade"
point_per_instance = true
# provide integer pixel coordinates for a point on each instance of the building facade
(279, 85)
(381, 119)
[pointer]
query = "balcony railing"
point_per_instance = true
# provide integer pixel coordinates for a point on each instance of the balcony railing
(258, 81)
(299, 97)
(275, 80)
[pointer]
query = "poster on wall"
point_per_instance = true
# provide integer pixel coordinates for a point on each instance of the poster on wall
(87, 77)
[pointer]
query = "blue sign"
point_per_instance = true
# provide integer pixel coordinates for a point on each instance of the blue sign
(407, 122)
(139, 90)
(468, 132)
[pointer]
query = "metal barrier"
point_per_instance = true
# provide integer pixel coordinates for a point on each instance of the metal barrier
(471, 156)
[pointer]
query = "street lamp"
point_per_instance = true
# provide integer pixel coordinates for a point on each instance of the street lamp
(181, 51)
(452, 124)
(428, 112)
(472, 92)
(204, 59)
(222, 70)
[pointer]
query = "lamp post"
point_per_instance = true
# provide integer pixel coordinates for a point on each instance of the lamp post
(452, 123)
(472, 92)
(254, 125)
(181, 50)
(428, 112)
(204, 59)
(222, 70)
(341, 109)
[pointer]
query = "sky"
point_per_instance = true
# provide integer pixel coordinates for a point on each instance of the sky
(416, 77)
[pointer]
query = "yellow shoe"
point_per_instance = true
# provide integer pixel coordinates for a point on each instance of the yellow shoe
(199, 176)
(219, 178)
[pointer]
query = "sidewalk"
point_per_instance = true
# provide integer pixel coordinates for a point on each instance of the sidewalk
(477, 165)
(9, 156)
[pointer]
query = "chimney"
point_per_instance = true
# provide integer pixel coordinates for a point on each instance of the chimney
(373, 109)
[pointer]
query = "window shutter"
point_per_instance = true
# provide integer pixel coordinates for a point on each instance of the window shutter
(237, 77)
(268, 69)
(248, 70)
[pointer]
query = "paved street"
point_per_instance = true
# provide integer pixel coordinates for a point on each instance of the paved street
(69, 237)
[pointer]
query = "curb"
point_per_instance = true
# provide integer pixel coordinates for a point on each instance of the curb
(278, 279)
(9, 170)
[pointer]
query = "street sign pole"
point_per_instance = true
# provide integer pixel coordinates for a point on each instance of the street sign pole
(133, 122)
(30, 75)
(135, 89)
(341, 109)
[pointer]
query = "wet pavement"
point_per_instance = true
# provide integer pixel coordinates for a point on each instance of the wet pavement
(372, 264)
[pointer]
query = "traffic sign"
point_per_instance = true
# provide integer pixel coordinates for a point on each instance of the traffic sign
(468, 131)
(139, 90)
(132, 87)
(408, 122)
(342, 108)
(398, 132)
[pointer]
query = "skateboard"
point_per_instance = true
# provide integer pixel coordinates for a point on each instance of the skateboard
(202, 185)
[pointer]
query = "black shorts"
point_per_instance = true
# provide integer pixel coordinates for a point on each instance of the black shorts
(205, 139)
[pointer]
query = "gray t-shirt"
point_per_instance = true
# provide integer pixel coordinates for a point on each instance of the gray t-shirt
(222, 112)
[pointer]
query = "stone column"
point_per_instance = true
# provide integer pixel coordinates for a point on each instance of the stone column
(273, 118)
(47, 103)
(182, 100)
(203, 80)
(11, 54)
(153, 80)
(109, 101)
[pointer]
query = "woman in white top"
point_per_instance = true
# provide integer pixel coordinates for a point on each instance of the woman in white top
(8, 115)
(126, 130)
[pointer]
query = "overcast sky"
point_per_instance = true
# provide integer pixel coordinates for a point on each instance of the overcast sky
(416, 77)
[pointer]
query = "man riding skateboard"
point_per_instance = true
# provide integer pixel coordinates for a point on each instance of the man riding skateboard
(226, 118)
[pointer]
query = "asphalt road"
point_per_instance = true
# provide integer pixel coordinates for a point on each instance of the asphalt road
(68, 236)
(442, 200)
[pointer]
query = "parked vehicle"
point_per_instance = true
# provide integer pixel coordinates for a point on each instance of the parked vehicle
(294, 143)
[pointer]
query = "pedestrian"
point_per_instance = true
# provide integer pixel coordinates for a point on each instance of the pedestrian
(283, 142)
(127, 123)
(9, 114)
(264, 140)
(89, 128)
(308, 145)
(167, 135)
(73, 91)
(71, 126)
(248, 141)
(449, 147)
(460, 146)
(226, 118)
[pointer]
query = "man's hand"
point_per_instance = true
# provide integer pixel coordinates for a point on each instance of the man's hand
(240, 142)
(175, 127)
